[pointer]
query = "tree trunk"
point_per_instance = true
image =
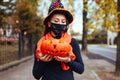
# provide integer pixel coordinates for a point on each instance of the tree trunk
(118, 55)
(30, 43)
(84, 36)
(118, 42)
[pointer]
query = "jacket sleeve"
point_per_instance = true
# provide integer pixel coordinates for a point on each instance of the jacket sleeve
(38, 68)
(77, 65)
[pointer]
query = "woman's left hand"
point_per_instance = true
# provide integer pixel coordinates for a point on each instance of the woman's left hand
(63, 59)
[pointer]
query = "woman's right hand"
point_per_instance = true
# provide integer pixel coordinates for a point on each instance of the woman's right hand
(45, 58)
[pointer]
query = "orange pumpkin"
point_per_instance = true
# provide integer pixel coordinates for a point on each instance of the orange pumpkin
(55, 47)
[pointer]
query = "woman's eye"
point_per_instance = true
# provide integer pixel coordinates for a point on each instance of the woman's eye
(63, 21)
(55, 21)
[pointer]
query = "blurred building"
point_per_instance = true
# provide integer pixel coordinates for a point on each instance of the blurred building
(111, 37)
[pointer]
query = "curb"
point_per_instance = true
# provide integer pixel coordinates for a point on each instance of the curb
(95, 75)
(14, 63)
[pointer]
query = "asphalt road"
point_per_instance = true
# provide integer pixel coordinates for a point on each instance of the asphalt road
(107, 52)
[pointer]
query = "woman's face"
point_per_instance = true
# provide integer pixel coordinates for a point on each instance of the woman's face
(58, 19)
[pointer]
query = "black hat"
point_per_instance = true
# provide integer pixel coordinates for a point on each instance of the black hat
(57, 7)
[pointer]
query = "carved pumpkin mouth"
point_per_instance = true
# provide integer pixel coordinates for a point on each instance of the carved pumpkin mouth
(55, 48)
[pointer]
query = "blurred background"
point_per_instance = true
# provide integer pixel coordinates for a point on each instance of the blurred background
(96, 23)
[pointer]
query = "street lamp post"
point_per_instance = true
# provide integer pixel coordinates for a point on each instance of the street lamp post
(19, 41)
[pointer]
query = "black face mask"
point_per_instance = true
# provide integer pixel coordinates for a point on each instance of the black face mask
(58, 29)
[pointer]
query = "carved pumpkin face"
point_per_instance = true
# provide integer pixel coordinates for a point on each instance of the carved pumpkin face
(55, 47)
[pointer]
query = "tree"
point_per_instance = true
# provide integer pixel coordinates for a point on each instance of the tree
(6, 9)
(102, 14)
(26, 12)
(112, 10)
(117, 70)
(108, 10)
(28, 22)
(84, 36)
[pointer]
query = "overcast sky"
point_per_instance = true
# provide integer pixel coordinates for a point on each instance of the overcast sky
(78, 20)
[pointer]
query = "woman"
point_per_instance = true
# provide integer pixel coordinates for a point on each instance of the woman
(48, 67)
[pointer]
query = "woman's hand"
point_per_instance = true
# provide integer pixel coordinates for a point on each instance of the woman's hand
(45, 58)
(63, 59)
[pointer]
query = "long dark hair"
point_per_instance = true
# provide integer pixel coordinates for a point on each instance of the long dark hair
(47, 29)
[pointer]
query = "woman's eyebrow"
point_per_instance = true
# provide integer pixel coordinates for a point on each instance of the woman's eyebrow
(56, 18)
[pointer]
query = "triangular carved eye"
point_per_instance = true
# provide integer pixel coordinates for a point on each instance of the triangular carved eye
(54, 46)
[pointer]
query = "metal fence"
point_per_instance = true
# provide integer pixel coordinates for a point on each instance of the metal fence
(14, 46)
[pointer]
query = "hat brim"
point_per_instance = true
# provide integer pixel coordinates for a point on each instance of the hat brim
(63, 11)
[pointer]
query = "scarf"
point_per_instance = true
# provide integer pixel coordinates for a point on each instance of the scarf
(64, 37)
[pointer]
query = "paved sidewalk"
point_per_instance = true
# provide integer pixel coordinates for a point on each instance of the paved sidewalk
(23, 71)
(92, 66)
